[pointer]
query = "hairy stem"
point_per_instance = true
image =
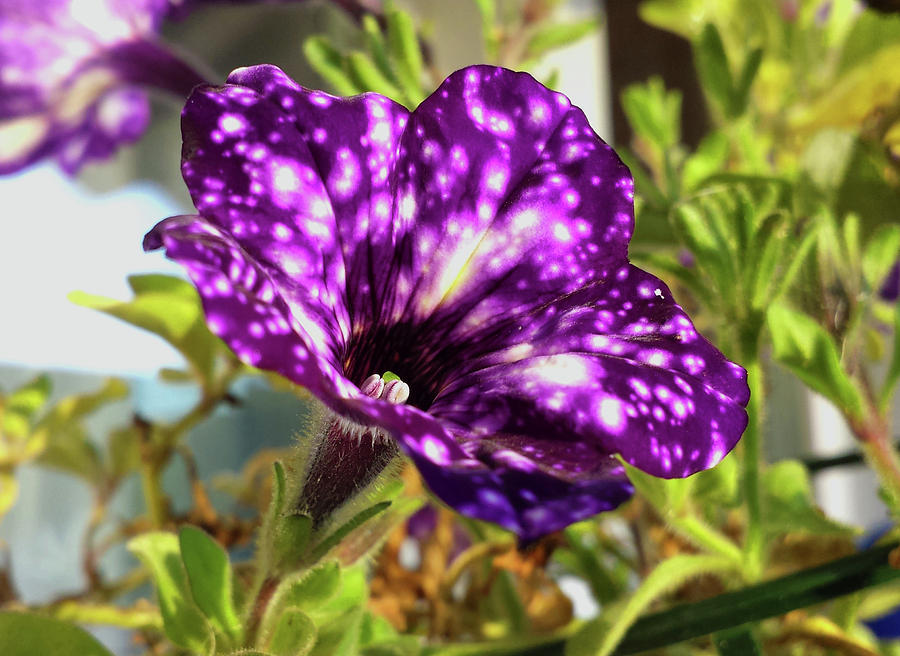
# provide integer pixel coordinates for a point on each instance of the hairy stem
(753, 542)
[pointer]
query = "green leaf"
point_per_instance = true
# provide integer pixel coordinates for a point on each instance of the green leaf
(314, 587)
(754, 603)
(341, 636)
(26, 634)
(808, 351)
(67, 445)
(184, 623)
(551, 37)
(893, 373)
(294, 634)
(327, 61)
(741, 92)
(739, 641)
(881, 252)
(789, 504)
(718, 486)
(713, 69)
(18, 410)
(123, 455)
(165, 306)
(653, 112)
(600, 637)
(403, 44)
(209, 574)
(684, 17)
(352, 593)
(377, 45)
(339, 534)
(709, 158)
(827, 157)
(368, 77)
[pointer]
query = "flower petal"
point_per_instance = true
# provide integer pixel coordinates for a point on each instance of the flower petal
(350, 144)
(245, 308)
(530, 487)
(506, 198)
(618, 363)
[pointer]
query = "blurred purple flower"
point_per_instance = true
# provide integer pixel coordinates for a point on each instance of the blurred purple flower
(478, 248)
(71, 77)
(890, 288)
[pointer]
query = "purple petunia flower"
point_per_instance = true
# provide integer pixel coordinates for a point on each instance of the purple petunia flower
(71, 73)
(890, 288)
(477, 247)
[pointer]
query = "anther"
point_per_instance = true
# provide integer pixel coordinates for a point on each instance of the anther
(393, 391)
(373, 386)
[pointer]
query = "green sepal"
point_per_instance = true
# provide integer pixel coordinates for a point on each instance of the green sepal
(290, 540)
(28, 634)
(345, 529)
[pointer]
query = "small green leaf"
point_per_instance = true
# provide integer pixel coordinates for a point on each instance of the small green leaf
(881, 252)
(558, 35)
(600, 637)
(185, 625)
(403, 45)
(893, 373)
(294, 635)
(741, 91)
(368, 77)
(327, 61)
(314, 587)
(340, 636)
(25, 634)
(353, 592)
(789, 504)
(653, 112)
(18, 410)
(803, 346)
(209, 574)
(713, 69)
(709, 158)
(377, 45)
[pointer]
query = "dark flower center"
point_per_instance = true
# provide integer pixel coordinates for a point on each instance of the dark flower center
(399, 349)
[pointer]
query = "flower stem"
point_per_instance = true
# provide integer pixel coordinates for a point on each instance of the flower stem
(707, 537)
(753, 542)
(154, 498)
(882, 456)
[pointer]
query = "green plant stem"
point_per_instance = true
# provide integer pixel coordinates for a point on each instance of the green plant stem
(753, 541)
(881, 455)
(703, 535)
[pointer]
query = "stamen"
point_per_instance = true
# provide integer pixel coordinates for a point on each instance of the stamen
(373, 386)
(393, 391)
